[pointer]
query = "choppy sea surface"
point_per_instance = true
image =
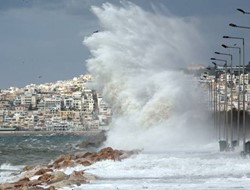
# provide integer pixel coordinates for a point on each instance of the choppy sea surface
(203, 168)
(18, 150)
(28, 149)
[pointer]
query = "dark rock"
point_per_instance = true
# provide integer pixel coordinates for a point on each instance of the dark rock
(42, 171)
(29, 167)
(78, 177)
(45, 178)
(57, 176)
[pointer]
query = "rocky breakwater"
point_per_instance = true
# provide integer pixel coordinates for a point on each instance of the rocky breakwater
(51, 176)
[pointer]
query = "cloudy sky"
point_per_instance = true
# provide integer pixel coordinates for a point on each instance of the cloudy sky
(41, 40)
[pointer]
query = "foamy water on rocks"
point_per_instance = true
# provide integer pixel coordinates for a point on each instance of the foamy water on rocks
(180, 170)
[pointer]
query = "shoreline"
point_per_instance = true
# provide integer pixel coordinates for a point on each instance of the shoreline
(93, 132)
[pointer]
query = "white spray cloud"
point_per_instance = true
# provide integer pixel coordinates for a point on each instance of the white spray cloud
(134, 60)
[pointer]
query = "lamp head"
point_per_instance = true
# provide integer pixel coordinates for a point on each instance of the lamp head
(213, 58)
(223, 45)
(233, 25)
(225, 36)
(215, 65)
(241, 10)
(217, 52)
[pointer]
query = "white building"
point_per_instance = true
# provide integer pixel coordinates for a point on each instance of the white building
(28, 99)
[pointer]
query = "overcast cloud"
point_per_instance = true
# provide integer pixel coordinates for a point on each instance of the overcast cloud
(44, 37)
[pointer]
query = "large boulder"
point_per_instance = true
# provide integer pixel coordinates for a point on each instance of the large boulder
(57, 176)
(78, 177)
(63, 161)
(43, 171)
(20, 184)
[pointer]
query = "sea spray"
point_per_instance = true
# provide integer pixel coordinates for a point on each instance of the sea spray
(135, 61)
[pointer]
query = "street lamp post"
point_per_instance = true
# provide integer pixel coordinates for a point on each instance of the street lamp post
(215, 102)
(210, 94)
(243, 71)
(243, 88)
(231, 95)
(224, 144)
(244, 113)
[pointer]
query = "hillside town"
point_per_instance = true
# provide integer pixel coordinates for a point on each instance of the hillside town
(61, 106)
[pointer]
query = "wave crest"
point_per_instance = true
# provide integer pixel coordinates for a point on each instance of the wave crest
(135, 61)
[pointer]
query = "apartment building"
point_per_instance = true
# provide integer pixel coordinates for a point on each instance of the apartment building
(28, 100)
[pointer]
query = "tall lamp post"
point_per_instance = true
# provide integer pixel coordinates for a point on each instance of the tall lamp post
(215, 101)
(239, 72)
(244, 114)
(211, 97)
(231, 94)
(224, 144)
(243, 90)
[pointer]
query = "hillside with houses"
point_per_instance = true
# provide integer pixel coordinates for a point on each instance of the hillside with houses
(61, 106)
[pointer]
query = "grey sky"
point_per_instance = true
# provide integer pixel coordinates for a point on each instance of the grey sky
(44, 37)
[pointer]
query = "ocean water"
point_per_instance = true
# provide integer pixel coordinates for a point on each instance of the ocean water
(28, 149)
(17, 151)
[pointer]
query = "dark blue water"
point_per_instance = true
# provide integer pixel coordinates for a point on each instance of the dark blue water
(23, 149)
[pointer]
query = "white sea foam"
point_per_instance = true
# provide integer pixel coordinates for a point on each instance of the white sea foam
(135, 61)
(172, 170)
(8, 172)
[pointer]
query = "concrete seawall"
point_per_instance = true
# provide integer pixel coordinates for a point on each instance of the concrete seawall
(94, 132)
